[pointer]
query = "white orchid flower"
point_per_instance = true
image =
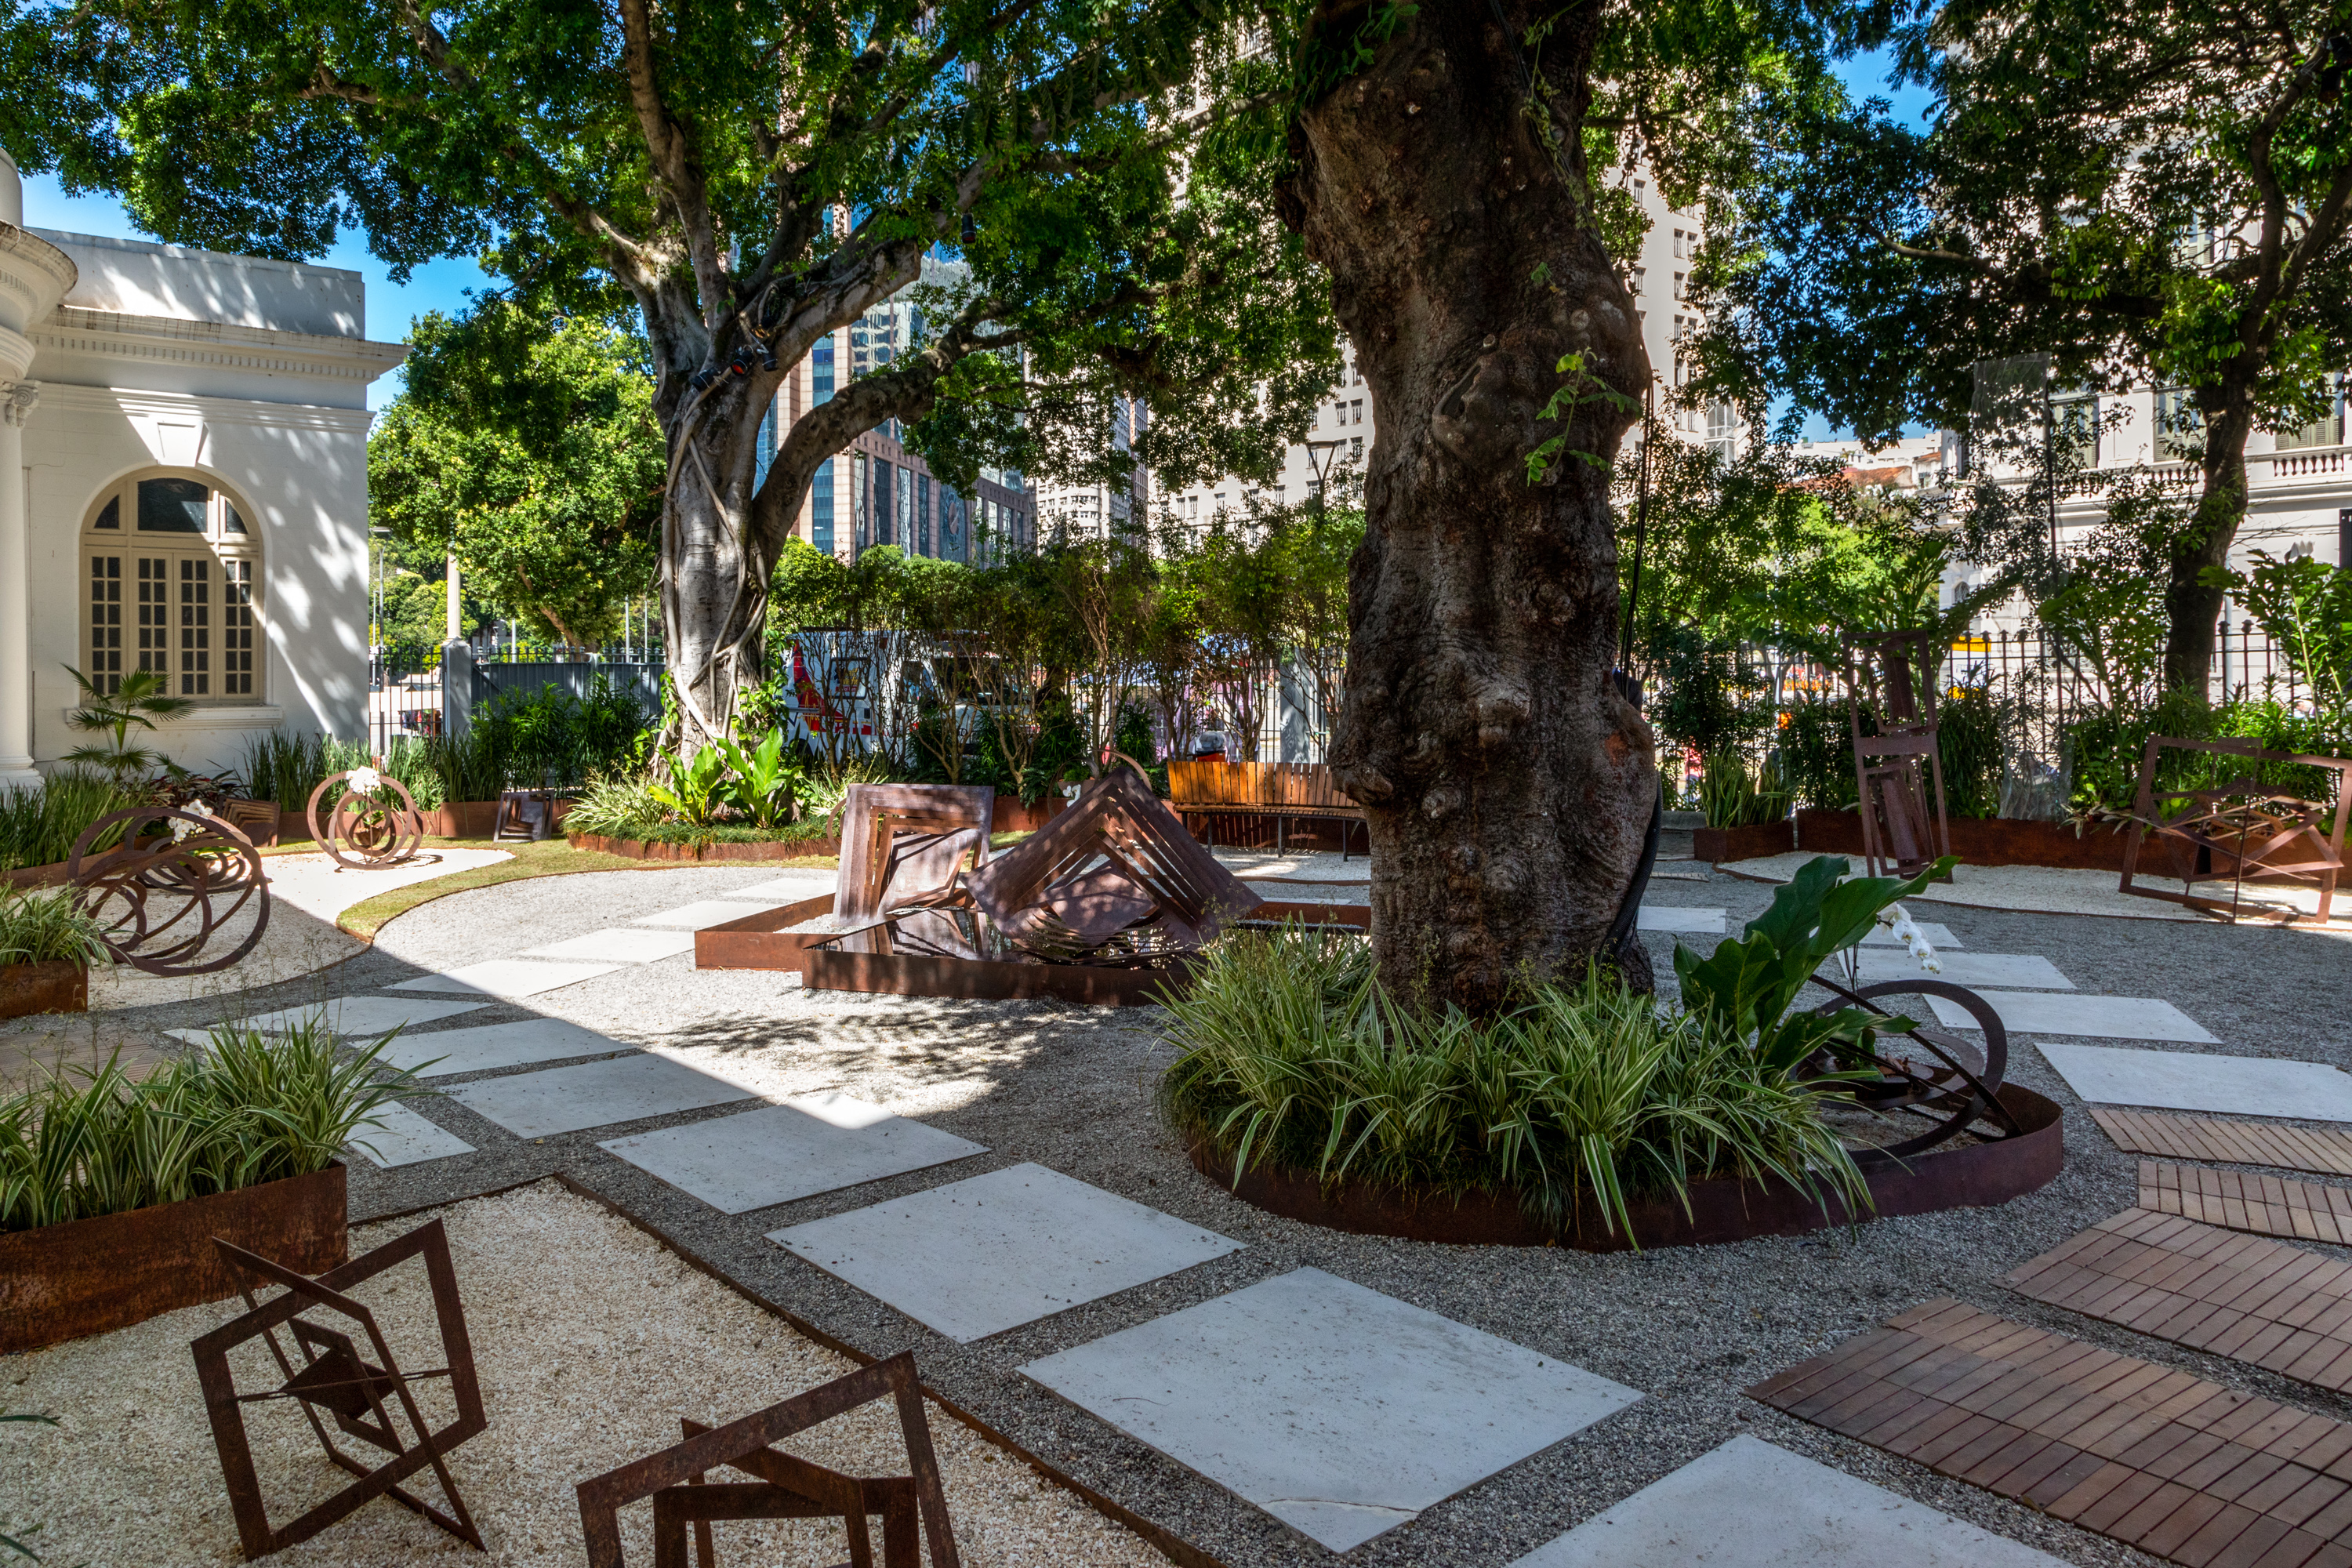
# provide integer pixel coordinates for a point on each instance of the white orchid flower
(364, 781)
(1907, 933)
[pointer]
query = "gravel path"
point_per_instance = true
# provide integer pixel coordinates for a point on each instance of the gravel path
(1071, 1088)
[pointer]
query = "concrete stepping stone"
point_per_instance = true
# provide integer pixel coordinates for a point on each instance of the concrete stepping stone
(2235, 1200)
(789, 889)
(706, 912)
(619, 944)
(2323, 1150)
(1749, 1504)
(490, 1045)
(2151, 1456)
(978, 1257)
(1940, 937)
(1342, 1412)
(1668, 918)
(1879, 965)
(2197, 1080)
(2105, 1017)
(593, 1094)
(406, 1138)
(506, 977)
(351, 1017)
(810, 1143)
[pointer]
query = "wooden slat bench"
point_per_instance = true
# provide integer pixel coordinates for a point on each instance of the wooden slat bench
(1284, 791)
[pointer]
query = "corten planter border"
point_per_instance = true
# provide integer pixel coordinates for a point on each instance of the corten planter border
(55, 986)
(1749, 842)
(760, 942)
(1722, 1210)
(1981, 841)
(766, 849)
(63, 1282)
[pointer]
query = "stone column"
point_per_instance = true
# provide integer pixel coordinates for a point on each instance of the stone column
(17, 401)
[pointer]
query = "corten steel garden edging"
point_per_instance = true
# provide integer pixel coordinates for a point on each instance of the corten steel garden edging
(1721, 1209)
(52, 987)
(62, 1282)
(1749, 841)
(827, 968)
(706, 854)
(1980, 841)
(759, 941)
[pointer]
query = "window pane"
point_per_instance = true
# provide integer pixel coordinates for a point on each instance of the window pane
(155, 614)
(172, 506)
(236, 629)
(195, 627)
(232, 520)
(106, 622)
(110, 514)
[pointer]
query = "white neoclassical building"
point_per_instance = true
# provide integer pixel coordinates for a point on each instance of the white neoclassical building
(183, 488)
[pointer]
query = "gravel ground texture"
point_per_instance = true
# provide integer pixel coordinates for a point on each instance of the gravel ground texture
(592, 1341)
(1072, 1088)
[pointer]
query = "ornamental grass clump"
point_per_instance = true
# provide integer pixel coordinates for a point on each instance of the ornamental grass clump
(49, 928)
(249, 1109)
(1580, 1101)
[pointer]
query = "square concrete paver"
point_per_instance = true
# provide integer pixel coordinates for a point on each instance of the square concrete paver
(2104, 1017)
(1880, 965)
(2197, 1080)
(1751, 1505)
(1666, 918)
(407, 1139)
(507, 977)
(1940, 937)
(810, 1143)
(976, 1257)
(788, 888)
(1338, 1410)
(704, 912)
(490, 1045)
(619, 944)
(593, 1094)
(353, 1018)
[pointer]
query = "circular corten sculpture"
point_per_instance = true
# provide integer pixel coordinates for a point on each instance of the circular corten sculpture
(373, 824)
(171, 883)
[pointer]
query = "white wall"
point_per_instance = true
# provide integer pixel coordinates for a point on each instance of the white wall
(136, 278)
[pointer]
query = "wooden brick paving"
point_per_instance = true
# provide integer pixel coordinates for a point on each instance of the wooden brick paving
(2274, 1205)
(2230, 1143)
(2252, 1299)
(2162, 1459)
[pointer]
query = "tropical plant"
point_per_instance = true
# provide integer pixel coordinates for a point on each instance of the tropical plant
(245, 1110)
(762, 779)
(42, 927)
(2306, 606)
(286, 766)
(1734, 794)
(1293, 1057)
(614, 808)
(692, 791)
(1747, 987)
(140, 699)
(38, 824)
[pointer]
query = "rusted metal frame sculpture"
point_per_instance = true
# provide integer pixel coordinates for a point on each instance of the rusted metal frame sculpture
(2213, 833)
(335, 1379)
(905, 845)
(155, 890)
(1895, 768)
(528, 815)
(363, 831)
(1115, 879)
(785, 1486)
(1959, 1092)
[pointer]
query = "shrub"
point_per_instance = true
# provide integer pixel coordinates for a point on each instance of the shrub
(49, 928)
(614, 808)
(246, 1109)
(286, 768)
(1816, 747)
(1731, 793)
(38, 826)
(1972, 729)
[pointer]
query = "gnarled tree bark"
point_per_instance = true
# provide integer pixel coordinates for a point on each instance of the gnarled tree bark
(1508, 784)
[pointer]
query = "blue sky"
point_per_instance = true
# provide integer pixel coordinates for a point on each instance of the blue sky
(442, 286)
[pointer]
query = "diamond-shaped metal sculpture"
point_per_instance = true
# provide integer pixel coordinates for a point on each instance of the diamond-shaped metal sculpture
(370, 1400)
(1896, 769)
(2241, 832)
(906, 846)
(784, 1486)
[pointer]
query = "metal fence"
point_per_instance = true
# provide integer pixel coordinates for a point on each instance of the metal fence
(414, 692)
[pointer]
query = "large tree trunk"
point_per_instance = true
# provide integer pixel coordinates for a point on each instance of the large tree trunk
(1508, 785)
(2191, 603)
(714, 580)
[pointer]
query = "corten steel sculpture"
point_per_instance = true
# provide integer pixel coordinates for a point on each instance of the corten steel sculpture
(366, 830)
(172, 881)
(785, 1486)
(906, 846)
(1115, 879)
(1897, 771)
(2241, 832)
(337, 1380)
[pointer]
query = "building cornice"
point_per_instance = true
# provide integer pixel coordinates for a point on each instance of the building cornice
(66, 395)
(75, 329)
(33, 276)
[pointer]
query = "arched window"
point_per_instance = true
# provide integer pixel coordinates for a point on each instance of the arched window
(173, 571)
